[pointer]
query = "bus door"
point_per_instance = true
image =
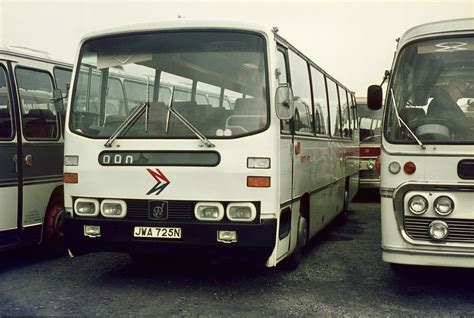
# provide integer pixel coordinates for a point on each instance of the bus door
(286, 166)
(8, 163)
(42, 148)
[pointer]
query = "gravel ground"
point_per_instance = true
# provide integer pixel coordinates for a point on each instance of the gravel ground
(341, 275)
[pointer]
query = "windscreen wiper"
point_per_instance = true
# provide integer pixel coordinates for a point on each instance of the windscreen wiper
(185, 122)
(400, 121)
(130, 120)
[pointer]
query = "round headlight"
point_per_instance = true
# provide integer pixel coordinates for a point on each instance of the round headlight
(443, 205)
(438, 230)
(418, 204)
(394, 167)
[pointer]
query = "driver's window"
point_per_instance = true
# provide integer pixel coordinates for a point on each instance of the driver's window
(283, 78)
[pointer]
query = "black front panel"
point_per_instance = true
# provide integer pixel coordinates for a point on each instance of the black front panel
(176, 210)
(460, 230)
(466, 169)
(159, 158)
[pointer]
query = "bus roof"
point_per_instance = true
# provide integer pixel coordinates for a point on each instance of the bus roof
(30, 53)
(437, 28)
(178, 24)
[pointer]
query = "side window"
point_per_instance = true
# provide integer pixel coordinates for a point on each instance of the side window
(6, 131)
(283, 78)
(212, 92)
(282, 67)
(115, 101)
(334, 112)
(39, 116)
(346, 118)
(354, 113)
(63, 78)
(320, 103)
(136, 93)
(302, 94)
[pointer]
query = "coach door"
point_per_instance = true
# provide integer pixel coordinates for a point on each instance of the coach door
(42, 148)
(8, 168)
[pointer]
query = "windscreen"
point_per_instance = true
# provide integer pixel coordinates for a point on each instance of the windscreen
(433, 91)
(370, 124)
(215, 80)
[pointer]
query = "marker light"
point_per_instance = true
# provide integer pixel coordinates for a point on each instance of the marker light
(71, 177)
(371, 165)
(258, 163)
(409, 167)
(417, 204)
(92, 231)
(209, 211)
(113, 208)
(86, 207)
(438, 230)
(394, 167)
(258, 182)
(241, 212)
(71, 160)
(443, 205)
(226, 236)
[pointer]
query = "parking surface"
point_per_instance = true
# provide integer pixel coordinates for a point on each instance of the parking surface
(341, 274)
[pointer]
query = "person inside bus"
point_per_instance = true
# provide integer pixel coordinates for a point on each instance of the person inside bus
(444, 106)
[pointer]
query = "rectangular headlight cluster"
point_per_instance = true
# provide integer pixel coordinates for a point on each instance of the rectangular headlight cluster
(214, 211)
(108, 208)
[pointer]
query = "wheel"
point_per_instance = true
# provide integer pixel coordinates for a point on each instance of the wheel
(344, 215)
(53, 230)
(293, 261)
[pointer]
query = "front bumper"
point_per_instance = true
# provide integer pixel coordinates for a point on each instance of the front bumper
(198, 238)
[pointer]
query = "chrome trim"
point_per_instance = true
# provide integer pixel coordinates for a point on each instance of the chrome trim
(424, 252)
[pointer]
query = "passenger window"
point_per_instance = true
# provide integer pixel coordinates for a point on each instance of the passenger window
(137, 93)
(39, 117)
(354, 113)
(346, 118)
(6, 131)
(302, 94)
(320, 103)
(334, 112)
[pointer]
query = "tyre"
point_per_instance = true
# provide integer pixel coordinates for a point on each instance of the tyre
(293, 261)
(53, 244)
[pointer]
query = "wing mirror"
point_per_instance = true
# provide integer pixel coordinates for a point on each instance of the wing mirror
(374, 97)
(284, 102)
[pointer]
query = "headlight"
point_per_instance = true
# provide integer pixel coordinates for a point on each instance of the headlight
(443, 205)
(417, 204)
(113, 208)
(86, 207)
(394, 167)
(241, 212)
(209, 211)
(438, 230)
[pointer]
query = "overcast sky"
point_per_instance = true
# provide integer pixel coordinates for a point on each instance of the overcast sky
(352, 40)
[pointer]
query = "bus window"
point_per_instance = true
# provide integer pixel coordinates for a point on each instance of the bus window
(38, 113)
(63, 79)
(5, 108)
(334, 109)
(302, 94)
(346, 118)
(320, 102)
(136, 93)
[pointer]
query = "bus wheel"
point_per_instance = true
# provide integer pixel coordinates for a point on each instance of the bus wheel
(293, 261)
(53, 242)
(344, 215)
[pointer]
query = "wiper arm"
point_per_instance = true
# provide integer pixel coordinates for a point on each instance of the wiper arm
(131, 119)
(400, 121)
(186, 123)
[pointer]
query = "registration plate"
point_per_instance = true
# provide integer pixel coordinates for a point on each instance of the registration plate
(157, 232)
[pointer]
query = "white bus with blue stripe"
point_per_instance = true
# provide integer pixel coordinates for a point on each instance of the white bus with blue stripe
(255, 173)
(31, 142)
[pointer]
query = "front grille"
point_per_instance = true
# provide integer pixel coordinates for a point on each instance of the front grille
(460, 230)
(177, 210)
